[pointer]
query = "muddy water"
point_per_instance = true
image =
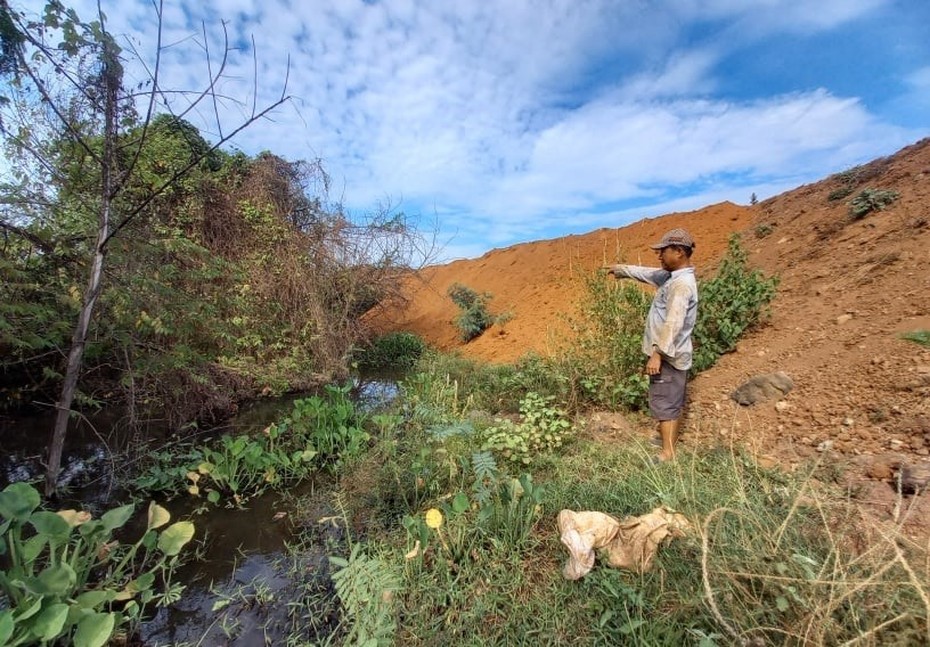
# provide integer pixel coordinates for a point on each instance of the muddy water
(237, 588)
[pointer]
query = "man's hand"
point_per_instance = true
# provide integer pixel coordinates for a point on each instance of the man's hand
(654, 364)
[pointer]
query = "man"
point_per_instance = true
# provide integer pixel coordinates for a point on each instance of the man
(667, 339)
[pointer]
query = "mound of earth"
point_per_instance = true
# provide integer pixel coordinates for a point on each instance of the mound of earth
(848, 288)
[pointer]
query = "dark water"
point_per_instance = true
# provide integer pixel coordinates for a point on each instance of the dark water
(237, 588)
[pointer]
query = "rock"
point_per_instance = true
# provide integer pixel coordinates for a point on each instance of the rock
(843, 318)
(782, 406)
(825, 446)
(762, 387)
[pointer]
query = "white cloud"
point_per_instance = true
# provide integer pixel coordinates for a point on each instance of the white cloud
(522, 119)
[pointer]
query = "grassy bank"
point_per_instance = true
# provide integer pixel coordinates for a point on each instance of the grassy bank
(772, 559)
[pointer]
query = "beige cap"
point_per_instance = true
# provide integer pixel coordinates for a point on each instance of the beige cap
(675, 237)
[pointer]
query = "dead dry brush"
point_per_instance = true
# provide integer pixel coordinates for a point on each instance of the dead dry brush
(827, 573)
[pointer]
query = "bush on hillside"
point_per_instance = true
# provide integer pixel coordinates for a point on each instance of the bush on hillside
(870, 200)
(729, 304)
(473, 318)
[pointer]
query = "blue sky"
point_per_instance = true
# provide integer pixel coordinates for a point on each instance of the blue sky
(507, 121)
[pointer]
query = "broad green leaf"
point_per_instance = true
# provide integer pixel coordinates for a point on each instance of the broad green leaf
(6, 625)
(174, 537)
(460, 503)
(213, 496)
(57, 579)
(33, 548)
(94, 630)
(143, 582)
(18, 500)
(91, 528)
(51, 525)
(93, 599)
(48, 624)
(149, 539)
(24, 613)
(158, 516)
(117, 517)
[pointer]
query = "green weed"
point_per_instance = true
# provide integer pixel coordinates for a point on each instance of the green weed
(542, 430)
(395, 351)
(921, 337)
(66, 578)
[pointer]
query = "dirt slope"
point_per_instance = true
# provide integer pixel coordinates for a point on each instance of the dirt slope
(848, 289)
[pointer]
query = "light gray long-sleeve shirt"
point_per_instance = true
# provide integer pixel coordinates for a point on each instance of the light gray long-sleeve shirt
(672, 314)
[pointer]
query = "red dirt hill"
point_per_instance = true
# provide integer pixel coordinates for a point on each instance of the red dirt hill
(848, 288)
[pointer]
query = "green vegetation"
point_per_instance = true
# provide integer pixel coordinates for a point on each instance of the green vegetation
(921, 337)
(870, 200)
(474, 317)
(603, 362)
(848, 180)
(143, 265)
(730, 303)
(460, 550)
(542, 431)
(396, 351)
(764, 230)
(67, 578)
(320, 432)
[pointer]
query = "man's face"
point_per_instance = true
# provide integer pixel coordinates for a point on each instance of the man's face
(671, 258)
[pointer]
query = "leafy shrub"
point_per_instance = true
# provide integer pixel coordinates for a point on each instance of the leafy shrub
(764, 230)
(395, 351)
(870, 200)
(848, 180)
(543, 429)
(67, 580)
(729, 304)
(473, 318)
(604, 359)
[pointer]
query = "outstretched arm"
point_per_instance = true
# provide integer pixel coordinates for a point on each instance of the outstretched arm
(652, 275)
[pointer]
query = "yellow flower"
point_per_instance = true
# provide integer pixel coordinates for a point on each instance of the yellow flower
(433, 518)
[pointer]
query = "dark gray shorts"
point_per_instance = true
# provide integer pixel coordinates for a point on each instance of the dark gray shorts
(667, 392)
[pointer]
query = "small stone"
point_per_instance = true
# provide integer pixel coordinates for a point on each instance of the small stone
(825, 446)
(782, 406)
(881, 470)
(848, 422)
(894, 443)
(843, 318)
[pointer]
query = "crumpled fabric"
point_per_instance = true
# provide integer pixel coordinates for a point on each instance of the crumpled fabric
(631, 543)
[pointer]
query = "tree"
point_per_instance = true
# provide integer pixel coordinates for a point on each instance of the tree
(73, 72)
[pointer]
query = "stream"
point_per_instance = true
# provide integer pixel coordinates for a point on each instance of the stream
(241, 568)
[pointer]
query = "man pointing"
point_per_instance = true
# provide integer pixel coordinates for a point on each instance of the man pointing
(667, 339)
